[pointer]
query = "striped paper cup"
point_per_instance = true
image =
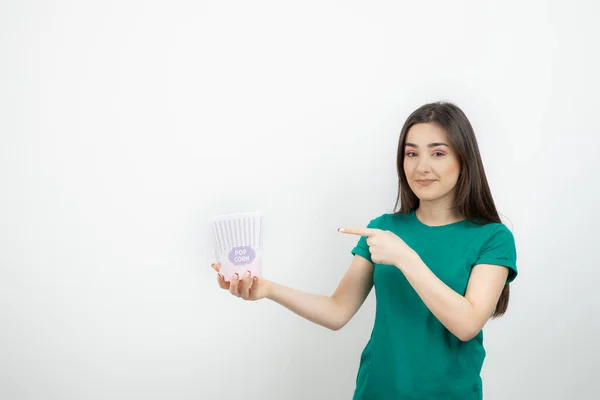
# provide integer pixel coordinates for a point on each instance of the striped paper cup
(238, 243)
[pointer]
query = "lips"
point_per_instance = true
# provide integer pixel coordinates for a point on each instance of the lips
(425, 182)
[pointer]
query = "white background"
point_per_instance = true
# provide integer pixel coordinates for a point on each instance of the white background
(125, 125)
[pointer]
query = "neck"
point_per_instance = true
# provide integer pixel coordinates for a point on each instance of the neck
(437, 212)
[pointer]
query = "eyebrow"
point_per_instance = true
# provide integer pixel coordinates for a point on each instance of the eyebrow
(430, 145)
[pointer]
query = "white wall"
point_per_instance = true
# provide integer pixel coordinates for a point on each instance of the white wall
(125, 125)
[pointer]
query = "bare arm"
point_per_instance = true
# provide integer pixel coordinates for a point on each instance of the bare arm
(332, 312)
(464, 316)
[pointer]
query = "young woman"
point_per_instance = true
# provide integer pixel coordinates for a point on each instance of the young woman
(441, 267)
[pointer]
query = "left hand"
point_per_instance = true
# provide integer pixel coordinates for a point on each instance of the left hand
(246, 286)
(385, 246)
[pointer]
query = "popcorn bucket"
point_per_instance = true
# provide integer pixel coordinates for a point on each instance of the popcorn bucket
(237, 243)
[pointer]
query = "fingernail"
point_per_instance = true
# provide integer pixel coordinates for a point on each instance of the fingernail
(340, 229)
(255, 278)
(246, 274)
(235, 277)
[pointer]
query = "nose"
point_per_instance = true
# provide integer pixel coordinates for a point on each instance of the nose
(423, 165)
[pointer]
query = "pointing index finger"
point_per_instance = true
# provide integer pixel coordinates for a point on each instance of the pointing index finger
(359, 231)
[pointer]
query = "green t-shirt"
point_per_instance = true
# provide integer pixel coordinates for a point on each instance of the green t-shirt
(410, 354)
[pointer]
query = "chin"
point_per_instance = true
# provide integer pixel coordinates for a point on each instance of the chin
(425, 195)
(428, 196)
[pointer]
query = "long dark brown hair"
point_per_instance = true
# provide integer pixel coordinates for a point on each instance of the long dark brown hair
(473, 198)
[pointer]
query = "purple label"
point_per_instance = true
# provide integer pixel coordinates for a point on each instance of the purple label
(242, 255)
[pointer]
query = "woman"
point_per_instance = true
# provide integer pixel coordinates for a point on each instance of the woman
(441, 267)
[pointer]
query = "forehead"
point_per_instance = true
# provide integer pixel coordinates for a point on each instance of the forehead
(425, 133)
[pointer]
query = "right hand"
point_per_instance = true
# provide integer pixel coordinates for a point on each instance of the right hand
(245, 287)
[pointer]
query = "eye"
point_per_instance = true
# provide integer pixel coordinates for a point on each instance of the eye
(438, 154)
(411, 154)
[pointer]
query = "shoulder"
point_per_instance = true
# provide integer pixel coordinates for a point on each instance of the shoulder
(491, 236)
(497, 247)
(495, 231)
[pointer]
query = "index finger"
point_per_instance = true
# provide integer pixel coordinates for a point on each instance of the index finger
(359, 231)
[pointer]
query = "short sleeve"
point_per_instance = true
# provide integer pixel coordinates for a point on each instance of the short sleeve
(362, 248)
(500, 249)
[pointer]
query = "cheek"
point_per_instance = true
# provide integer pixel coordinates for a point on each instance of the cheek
(408, 166)
(452, 170)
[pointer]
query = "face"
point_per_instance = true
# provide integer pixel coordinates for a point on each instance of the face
(430, 164)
